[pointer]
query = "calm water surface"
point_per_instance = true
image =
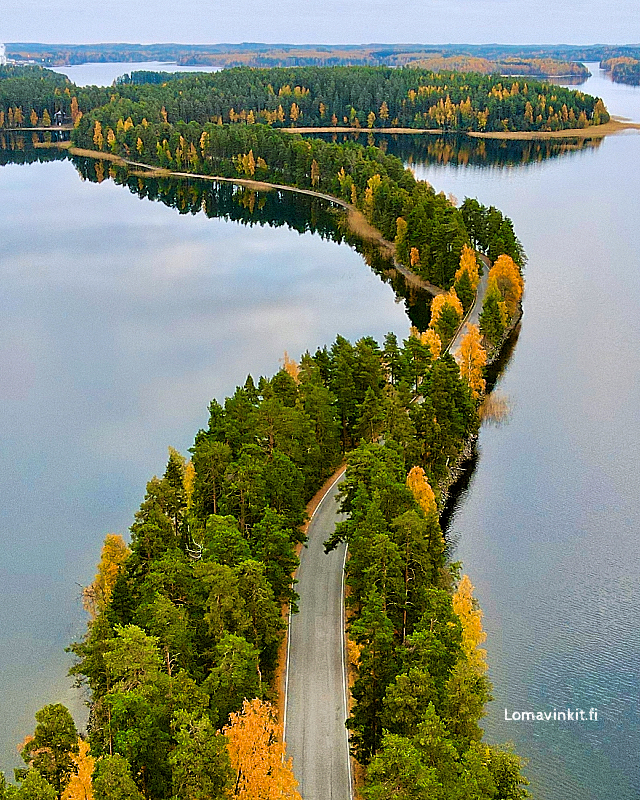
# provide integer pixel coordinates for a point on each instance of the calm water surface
(548, 529)
(100, 74)
(121, 319)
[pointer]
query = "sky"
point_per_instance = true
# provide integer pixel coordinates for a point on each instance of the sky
(322, 21)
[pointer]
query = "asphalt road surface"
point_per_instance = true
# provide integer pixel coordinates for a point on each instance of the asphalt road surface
(316, 698)
(474, 314)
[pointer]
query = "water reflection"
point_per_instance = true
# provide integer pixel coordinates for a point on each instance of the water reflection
(495, 409)
(276, 208)
(22, 148)
(465, 151)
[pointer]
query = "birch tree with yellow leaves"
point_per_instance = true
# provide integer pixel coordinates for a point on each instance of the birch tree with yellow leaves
(446, 314)
(472, 357)
(420, 488)
(257, 754)
(505, 276)
(432, 340)
(80, 785)
(468, 264)
(97, 595)
(467, 277)
(473, 635)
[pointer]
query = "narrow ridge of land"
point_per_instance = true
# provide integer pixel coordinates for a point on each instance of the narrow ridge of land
(356, 220)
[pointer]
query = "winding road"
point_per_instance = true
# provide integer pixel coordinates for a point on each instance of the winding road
(315, 695)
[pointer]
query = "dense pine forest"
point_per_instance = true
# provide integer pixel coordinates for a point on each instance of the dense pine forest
(186, 621)
(366, 97)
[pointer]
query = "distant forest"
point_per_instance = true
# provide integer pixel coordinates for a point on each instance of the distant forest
(282, 55)
(624, 69)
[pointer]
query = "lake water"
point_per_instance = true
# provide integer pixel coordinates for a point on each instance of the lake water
(104, 74)
(548, 528)
(122, 318)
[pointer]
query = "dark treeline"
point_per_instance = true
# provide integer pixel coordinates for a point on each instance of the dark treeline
(256, 54)
(366, 97)
(24, 90)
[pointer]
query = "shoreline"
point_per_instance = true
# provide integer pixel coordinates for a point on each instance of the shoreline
(614, 126)
(356, 220)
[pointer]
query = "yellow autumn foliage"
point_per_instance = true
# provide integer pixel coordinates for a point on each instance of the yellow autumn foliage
(97, 595)
(468, 264)
(505, 276)
(420, 488)
(432, 340)
(189, 482)
(470, 616)
(80, 786)
(449, 298)
(471, 358)
(257, 754)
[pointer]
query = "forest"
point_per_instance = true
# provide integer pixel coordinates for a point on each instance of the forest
(623, 69)
(253, 54)
(370, 97)
(186, 621)
(357, 97)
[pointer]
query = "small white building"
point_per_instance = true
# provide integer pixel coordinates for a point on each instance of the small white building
(3, 56)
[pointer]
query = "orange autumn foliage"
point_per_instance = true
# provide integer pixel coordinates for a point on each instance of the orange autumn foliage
(291, 367)
(257, 754)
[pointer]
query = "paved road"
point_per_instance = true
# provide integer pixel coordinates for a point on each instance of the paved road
(316, 704)
(476, 310)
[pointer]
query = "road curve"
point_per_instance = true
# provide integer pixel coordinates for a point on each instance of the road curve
(315, 702)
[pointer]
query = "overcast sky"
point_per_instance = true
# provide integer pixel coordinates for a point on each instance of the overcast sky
(321, 21)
